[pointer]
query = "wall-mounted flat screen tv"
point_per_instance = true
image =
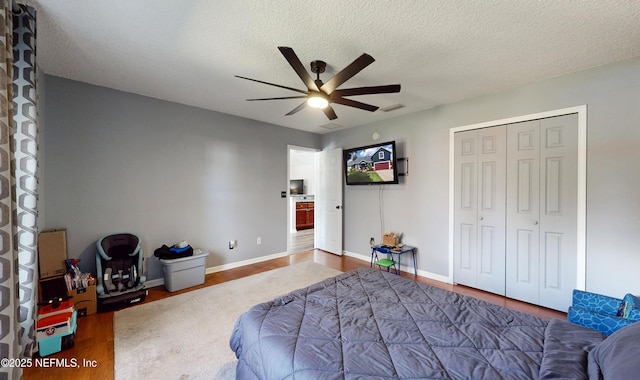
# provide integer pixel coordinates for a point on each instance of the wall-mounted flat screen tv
(371, 164)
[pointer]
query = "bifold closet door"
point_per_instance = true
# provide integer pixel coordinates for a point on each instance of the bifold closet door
(542, 211)
(479, 217)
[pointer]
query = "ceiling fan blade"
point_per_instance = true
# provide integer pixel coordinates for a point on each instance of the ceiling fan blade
(279, 98)
(331, 114)
(273, 84)
(388, 89)
(356, 104)
(298, 108)
(298, 67)
(352, 69)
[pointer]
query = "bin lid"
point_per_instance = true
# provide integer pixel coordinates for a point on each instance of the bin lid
(197, 254)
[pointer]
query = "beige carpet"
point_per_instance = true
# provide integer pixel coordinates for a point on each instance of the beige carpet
(187, 336)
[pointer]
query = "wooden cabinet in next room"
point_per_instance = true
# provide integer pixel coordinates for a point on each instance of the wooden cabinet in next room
(304, 215)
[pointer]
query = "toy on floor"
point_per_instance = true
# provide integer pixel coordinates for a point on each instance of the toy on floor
(56, 325)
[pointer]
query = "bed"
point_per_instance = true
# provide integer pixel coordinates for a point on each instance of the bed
(370, 324)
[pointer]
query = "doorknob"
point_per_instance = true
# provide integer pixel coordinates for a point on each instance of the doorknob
(338, 207)
(535, 223)
(481, 218)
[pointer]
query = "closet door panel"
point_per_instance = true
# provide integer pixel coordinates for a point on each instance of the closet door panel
(491, 208)
(525, 259)
(526, 170)
(465, 214)
(479, 176)
(467, 259)
(523, 207)
(552, 259)
(558, 214)
(487, 247)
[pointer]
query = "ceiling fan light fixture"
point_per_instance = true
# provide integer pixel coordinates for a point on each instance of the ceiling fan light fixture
(317, 101)
(321, 95)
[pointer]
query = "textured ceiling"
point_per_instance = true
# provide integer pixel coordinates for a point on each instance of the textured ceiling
(440, 51)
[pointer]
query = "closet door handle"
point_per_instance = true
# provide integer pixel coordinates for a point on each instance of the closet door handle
(535, 223)
(481, 218)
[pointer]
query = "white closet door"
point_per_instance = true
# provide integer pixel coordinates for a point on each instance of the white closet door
(479, 248)
(558, 210)
(523, 210)
(491, 209)
(542, 211)
(465, 256)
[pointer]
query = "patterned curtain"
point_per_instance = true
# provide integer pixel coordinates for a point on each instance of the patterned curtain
(26, 146)
(9, 325)
(19, 181)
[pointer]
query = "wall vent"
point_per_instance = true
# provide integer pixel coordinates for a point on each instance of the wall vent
(331, 126)
(392, 108)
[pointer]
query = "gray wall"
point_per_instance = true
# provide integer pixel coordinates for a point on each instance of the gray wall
(119, 162)
(419, 205)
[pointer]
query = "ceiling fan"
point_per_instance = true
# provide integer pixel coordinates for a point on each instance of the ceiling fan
(322, 95)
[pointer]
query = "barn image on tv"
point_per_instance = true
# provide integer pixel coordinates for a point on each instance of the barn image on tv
(371, 165)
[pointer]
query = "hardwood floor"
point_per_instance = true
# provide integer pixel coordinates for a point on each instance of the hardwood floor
(301, 240)
(93, 348)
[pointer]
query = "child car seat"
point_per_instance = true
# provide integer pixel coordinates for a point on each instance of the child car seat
(120, 273)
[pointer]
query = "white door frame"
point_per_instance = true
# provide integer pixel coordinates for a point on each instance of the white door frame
(289, 210)
(582, 181)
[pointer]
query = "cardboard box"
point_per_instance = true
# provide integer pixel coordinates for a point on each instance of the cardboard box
(390, 239)
(52, 252)
(85, 300)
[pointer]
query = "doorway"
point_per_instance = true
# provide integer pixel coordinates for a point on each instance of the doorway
(302, 189)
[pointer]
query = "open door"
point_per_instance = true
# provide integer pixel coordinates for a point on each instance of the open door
(328, 202)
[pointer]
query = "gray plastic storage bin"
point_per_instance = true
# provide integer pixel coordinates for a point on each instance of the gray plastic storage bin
(184, 272)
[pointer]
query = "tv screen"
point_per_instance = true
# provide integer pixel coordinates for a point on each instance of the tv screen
(296, 186)
(371, 164)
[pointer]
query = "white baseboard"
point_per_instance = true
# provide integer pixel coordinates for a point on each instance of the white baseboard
(238, 264)
(153, 283)
(404, 268)
(367, 258)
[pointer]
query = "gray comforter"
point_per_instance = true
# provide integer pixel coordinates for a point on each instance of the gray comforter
(369, 324)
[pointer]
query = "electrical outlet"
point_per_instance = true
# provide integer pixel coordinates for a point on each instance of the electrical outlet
(233, 244)
(259, 240)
